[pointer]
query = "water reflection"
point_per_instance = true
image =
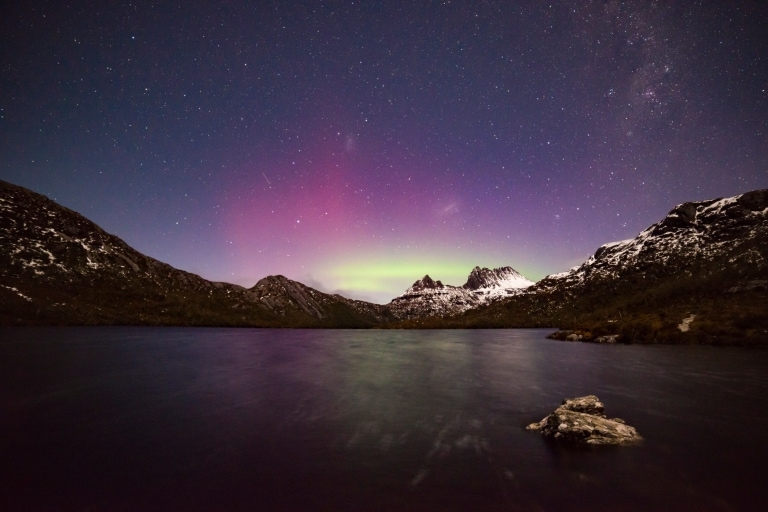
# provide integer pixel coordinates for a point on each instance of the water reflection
(205, 419)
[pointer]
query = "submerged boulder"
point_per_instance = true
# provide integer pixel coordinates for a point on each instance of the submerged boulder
(611, 338)
(581, 421)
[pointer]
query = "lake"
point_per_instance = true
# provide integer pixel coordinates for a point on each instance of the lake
(129, 419)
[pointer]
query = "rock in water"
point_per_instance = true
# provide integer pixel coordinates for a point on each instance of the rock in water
(581, 421)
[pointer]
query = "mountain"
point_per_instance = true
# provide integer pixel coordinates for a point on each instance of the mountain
(700, 275)
(696, 239)
(281, 295)
(57, 267)
(497, 280)
(706, 261)
(426, 297)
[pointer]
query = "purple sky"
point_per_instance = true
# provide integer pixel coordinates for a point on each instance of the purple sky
(357, 146)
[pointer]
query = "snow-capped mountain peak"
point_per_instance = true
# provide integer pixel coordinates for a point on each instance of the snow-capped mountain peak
(500, 278)
(694, 238)
(427, 297)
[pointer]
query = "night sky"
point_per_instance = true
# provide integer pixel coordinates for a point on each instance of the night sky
(356, 146)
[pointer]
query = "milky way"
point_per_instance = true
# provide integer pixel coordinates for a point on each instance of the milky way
(358, 146)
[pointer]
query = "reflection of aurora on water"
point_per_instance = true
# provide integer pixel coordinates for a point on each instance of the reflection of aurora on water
(249, 419)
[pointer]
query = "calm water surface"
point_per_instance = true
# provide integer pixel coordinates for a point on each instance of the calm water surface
(128, 419)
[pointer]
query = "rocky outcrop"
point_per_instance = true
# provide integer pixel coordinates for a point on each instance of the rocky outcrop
(582, 421)
(425, 283)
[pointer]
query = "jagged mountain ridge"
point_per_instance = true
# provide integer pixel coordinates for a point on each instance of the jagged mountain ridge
(706, 261)
(57, 267)
(427, 297)
(712, 236)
